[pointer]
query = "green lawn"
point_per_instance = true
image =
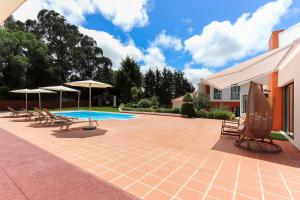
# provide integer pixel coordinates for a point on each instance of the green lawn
(277, 136)
(100, 108)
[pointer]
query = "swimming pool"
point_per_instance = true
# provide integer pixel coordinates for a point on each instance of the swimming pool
(96, 115)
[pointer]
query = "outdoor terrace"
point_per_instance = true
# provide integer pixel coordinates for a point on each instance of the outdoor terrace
(161, 157)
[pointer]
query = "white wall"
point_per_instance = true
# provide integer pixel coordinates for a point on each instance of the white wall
(291, 73)
(225, 95)
(289, 35)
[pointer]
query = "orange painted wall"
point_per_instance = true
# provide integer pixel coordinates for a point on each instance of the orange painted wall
(275, 95)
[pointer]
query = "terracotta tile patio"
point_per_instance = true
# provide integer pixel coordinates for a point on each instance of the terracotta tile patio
(160, 157)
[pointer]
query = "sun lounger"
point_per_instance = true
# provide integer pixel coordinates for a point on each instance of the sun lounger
(41, 116)
(15, 113)
(56, 119)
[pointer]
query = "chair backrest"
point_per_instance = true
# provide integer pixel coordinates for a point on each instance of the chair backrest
(10, 109)
(259, 117)
(40, 112)
(49, 113)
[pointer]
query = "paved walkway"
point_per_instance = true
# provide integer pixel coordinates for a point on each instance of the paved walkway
(164, 158)
(28, 172)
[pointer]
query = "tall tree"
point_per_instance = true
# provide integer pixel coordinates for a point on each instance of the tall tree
(167, 87)
(149, 84)
(181, 84)
(128, 76)
(74, 55)
(23, 59)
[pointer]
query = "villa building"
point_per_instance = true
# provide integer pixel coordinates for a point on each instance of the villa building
(229, 97)
(278, 71)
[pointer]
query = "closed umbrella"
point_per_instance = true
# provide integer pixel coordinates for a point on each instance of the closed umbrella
(61, 89)
(89, 84)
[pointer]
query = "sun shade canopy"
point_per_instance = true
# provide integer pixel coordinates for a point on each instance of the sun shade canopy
(60, 88)
(22, 91)
(252, 69)
(89, 83)
(41, 91)
(8, 7)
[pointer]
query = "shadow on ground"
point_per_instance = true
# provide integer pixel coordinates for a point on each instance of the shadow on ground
(78, 133)
(288, 156)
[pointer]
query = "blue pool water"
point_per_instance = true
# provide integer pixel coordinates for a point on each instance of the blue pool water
(96, 115)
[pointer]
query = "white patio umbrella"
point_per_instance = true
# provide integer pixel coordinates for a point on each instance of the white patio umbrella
(89, 84)
(61, 89)
(23, 91)
(40, 91)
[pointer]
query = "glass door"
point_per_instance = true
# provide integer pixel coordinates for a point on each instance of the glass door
(288, 109)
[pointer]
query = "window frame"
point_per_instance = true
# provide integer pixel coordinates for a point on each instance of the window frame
(235, 91)
(217, 95)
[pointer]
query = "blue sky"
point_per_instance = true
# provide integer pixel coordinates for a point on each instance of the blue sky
(198, 37)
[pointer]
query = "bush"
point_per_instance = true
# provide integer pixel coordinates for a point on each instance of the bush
(187, 109)
(131, 105)
(144, 103)
(201, 101)
(201, 114)
(154, 101)
(160, 110)
(187, 98)
(220, 114)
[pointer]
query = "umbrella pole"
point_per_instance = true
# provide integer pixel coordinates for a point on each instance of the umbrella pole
(40, 106)
(90, 124)
(78, 100)
(60, 103)
(26, 101)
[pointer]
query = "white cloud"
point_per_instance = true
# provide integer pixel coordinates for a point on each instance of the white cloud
(154, 59)
(167, 41)
(73, 10)
(113, 47)
(195, 74)
(221, 42)
(126, 14)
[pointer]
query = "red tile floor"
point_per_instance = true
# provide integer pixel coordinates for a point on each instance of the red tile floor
(160, 157)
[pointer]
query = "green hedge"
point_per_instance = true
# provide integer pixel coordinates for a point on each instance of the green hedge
(159, 110)
(215, 114)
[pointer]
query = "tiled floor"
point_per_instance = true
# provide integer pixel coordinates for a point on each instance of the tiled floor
(159, 157)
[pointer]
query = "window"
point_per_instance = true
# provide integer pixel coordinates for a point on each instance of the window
(217, 94)
(288, 109)
(235, 92)
(244, 99)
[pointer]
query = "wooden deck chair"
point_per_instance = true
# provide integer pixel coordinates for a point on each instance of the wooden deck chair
(232, 127)
(41, 116)
(51, 118)
(15, 113)
(258, 123)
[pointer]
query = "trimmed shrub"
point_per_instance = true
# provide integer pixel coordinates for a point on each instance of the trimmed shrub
(187, 98)
(220, 114)
(187, 109)
(144, 103)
